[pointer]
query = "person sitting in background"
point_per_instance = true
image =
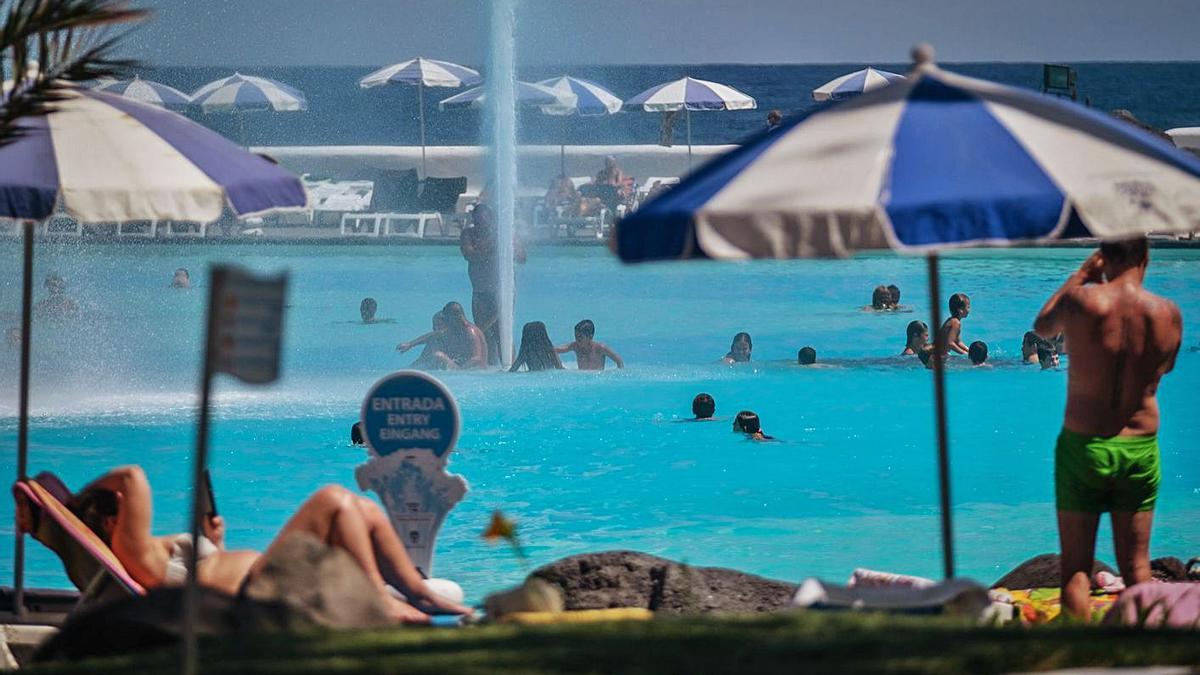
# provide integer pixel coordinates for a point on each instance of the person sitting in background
(881, 298)
(895, 291)
(747, 422)
(739, 349)
(703, 407)
(118, 507)
(367, 309)
(978, 352)
(1029, 347)
(951, 332)
(434, 356)
(1047, 355)
(589, 354)
(806, 356)
(181, 279)
(562, 198)
(611, 185)
(916, 337)
(536, 351)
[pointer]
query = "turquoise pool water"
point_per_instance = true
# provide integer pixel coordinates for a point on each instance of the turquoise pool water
(586, 461)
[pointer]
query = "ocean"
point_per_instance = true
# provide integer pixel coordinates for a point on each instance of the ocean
(1165, 95)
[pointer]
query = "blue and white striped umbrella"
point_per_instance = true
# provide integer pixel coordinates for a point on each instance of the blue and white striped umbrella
(688, 94)
(853, 84)
(105, 158)
(147, 91)
(933, 161)
(423, 72)
(590, 98)
(527, 94)
(245, 92)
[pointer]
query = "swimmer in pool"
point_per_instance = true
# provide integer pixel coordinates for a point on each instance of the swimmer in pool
(978, 352)
(56, 303)
(1029, 347)
(951, 332)
(181, 279)
(434, 356)
(916, 338)
(739, 349)
(589, 354)
(703, 407)
(747, 422)
(807, 356)
(537, 351)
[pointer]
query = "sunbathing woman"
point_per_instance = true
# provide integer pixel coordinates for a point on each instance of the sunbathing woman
(118, 507)
(537, 351)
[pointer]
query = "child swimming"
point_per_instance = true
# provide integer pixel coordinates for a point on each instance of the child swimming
(589, 354)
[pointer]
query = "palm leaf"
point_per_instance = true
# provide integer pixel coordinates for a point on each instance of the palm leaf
(71, 42)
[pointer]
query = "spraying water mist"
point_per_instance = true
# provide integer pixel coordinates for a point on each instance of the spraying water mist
(503, 114)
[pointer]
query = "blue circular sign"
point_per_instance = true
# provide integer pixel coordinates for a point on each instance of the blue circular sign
(409, 410)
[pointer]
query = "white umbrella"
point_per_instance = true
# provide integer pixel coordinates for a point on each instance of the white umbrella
(688, 94)
(853, 84)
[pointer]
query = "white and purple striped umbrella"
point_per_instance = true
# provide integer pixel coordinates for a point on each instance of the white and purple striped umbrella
(527, 94)
(146, 91)
(691, 94)
(688, 94)
(853, 84)
(105, 158)
(423, 72)
(246, 92)
(590, 98)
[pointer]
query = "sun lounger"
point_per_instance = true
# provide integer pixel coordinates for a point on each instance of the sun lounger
(955, 596)
(79, 539)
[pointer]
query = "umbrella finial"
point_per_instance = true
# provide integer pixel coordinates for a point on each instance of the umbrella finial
(922, 56)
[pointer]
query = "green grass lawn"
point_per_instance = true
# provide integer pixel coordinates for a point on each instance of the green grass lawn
(823, 642)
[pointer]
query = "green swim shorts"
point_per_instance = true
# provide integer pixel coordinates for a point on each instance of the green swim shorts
(1096, 474)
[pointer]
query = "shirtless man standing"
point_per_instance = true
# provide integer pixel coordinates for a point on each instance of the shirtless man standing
(1122, 340)
(951, 331)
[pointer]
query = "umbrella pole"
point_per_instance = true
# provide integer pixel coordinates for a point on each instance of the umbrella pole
(421, 106)
(562, 148)
(23, 415)
(688, 115)
(939, 392)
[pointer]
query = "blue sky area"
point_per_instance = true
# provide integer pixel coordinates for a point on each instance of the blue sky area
(371, 32)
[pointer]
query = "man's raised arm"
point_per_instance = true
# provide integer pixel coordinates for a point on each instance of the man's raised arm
(1051, 320)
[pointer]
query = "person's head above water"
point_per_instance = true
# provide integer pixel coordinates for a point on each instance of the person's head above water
(367, 308)
(356, 435)
(806, 356)
(1047, 355)
(916, 334)
(703, 406)
(585, 330)
(978, 352)
(740, 348)
(181, 279)
(747, 422)
(881, 298)
(536, 351)
(774, 117)
(960, 305)
(895, 291)
(55, 284)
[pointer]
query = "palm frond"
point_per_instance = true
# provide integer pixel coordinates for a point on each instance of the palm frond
(70, 41)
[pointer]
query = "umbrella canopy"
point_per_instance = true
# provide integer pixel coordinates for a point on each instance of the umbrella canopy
(106, 158)
(691, 94)
(146, 91)
(688, 94)
(245, 92)
(937, 160)
(527, 93)
(590, 98)
(423, 72)
(853, 84)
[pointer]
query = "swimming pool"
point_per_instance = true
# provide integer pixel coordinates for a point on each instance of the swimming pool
(593, 461)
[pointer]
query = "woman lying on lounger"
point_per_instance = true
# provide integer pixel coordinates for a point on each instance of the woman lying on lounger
(118, 507)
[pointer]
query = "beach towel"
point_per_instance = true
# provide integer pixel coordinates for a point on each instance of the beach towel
(865, 578)
(1043, 605)
(578, 616)
(79, 534)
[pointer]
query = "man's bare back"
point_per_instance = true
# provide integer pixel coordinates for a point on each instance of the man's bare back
(1122, 340)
